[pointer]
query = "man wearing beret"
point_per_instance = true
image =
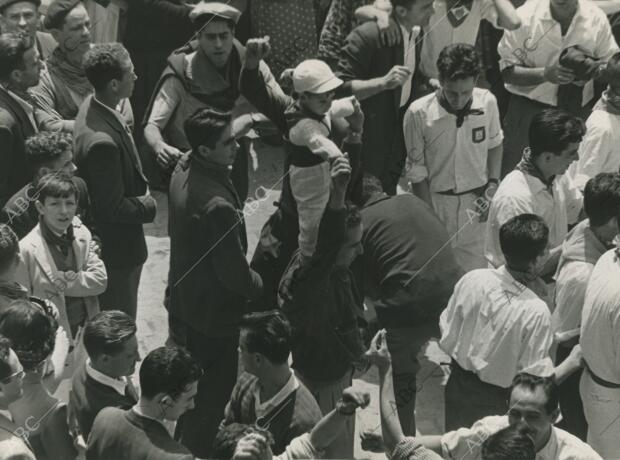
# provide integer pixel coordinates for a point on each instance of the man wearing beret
(22, 16)
(64, 86)
(205, 73)
(19, 70)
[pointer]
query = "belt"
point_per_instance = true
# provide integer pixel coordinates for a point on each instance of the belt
(477, 191)
(600, 381)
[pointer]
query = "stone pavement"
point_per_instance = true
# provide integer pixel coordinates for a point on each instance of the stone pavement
(265, 185)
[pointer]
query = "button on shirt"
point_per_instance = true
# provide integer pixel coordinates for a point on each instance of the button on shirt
(520, 193)
(600, 320)
(440, 32)
(466, 443)
(496, 327)
(539, 42)
(451, 158)
(409, 41)
(599, 150)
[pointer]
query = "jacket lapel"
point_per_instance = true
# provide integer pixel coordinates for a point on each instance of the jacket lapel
(17, 111)
(44, 258)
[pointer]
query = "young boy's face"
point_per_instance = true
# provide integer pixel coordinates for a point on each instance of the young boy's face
(318, 104)
(458, 92)
(58, 212)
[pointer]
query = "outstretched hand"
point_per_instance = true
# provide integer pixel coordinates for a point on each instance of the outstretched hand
(378, 352)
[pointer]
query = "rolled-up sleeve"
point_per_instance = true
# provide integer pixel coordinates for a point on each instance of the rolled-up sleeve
(415, 166)
(496, 135)
(166, 102)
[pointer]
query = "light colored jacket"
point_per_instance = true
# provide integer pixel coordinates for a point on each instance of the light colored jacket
(39, 274)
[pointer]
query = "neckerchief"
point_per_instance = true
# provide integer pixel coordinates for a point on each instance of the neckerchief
(73, 77)
(530, 280)
(609, 102)
(460, 114)
(459, 12)
(527, 166)
(63, 242)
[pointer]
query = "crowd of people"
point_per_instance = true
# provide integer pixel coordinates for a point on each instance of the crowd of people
(450, 170)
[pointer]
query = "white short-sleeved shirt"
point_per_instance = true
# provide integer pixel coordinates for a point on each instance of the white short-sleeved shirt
(497, 327)
(520, 193)
(539, 42)
(440, 32)
(599, 150)
(600, 320)
(451, 158)
(466, 443)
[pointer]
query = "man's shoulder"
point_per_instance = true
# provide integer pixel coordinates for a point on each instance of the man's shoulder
(422, 104)
(13, 447)
(109, 416)
(369, 30)
(7, 119)
(570, 447)
(306, 407)
(515, 184)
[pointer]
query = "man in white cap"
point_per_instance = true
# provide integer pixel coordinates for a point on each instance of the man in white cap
(202, 74)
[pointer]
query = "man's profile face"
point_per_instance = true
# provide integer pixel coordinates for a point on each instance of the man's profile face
(183, 403)
(123, 363)
(20, 17)
(216, 42)
(127, 82)
(74, 34)
(558, 164)
(225, 150)
(458, 92)
(32, 65)
(529, 407)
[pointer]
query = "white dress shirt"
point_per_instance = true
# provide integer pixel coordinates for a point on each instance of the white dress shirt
(539, 42)
(119, 385)
(466, 443)
(440, 32)
(496, 327)
(600, 320)
(520, 193)
(450, 158)
(599, 150)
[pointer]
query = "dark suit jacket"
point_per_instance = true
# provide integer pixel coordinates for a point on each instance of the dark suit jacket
(210, 279)
(15, 127)
(363, 58)
(108, 161)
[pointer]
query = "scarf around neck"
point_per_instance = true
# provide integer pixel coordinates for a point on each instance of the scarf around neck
(71, 75)
(527, 166)
(64, 242)
(461, 113)
(609, 103)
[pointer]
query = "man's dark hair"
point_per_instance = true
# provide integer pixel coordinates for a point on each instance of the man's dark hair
(404, 3)
(9, 247)
(168, 370)
(31, 330)
(458, 61)
(267, 333)
(105, 62)
(531, 382)
(552, 130)
(612, 71)
(522, 239)
(371, 185)
(601, 198)
(5, 353)
(12, 50)
(107, 332)
(46, 146)
(510, 443)
(201, 22)
(227, 438)
(57, 184)
(205, 127)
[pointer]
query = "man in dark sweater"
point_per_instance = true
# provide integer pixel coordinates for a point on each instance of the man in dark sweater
(169, 382)
(322, 301)
(268, 393)
(104, 380)
(210, 280)
(409, 275)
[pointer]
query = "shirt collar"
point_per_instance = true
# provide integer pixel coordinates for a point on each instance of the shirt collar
(550, 451)
(436, 112)
(139, 413)
(115, 112)
(118, 385)
(264, 407)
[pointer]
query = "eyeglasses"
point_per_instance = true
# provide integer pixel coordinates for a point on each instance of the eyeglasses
(17, 375)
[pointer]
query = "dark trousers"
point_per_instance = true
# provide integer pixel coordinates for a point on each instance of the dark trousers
(122, 291)
(218, 357)
(405, 343)
(468, 399)
(573, 417)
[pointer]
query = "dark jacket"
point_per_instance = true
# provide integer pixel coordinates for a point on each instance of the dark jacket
(409, 266)
(363, 58)
(21, 214)
(125, 435)
(15, 127)
(323, 304)
(108, 161)
(88, 397)
(210, 280)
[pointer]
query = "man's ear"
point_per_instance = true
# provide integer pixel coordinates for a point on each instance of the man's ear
(203, 150)
(15, 75)
(39, 206)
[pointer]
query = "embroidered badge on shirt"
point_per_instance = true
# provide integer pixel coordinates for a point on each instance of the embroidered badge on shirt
(478, 135)
(457, 15)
